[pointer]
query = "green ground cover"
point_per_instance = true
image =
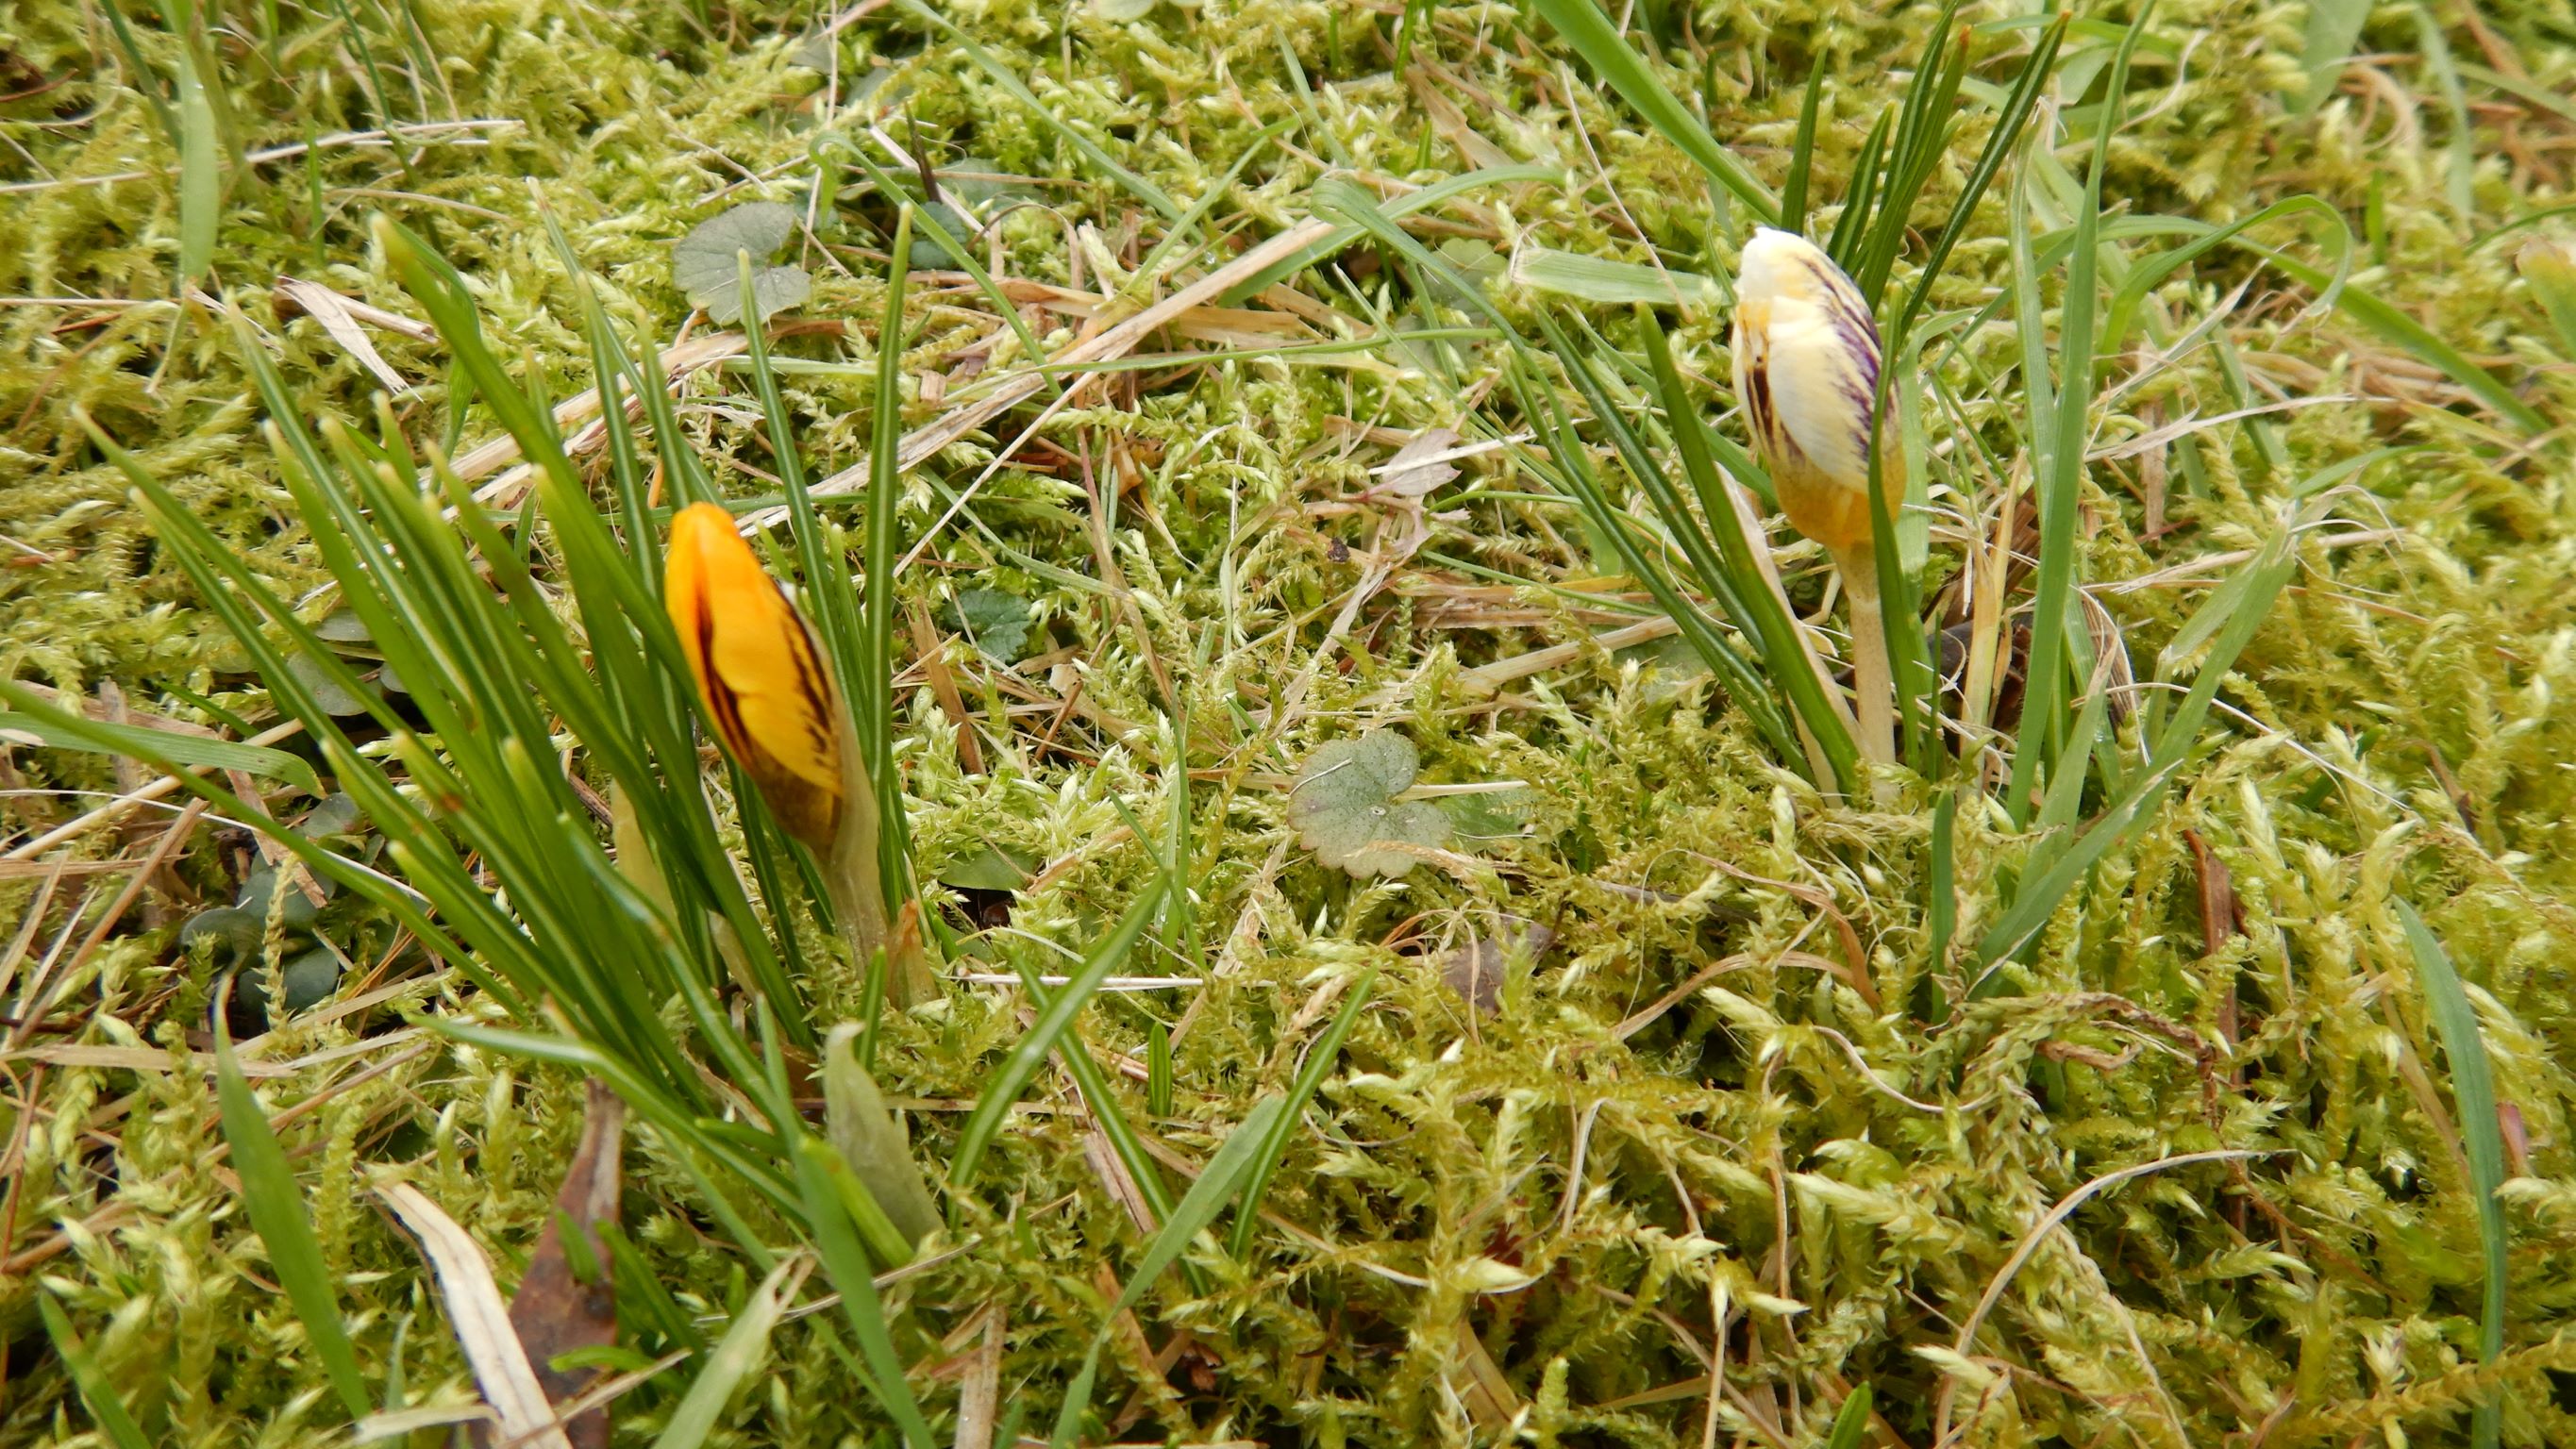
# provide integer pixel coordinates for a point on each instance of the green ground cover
(1546, 1051)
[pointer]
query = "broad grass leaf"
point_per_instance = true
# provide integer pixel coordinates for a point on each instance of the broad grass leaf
(871, 1141)
(201, 195)
(2481, 1136)
(1851, 1425)
(745, 1345)
(1605, 282)
(116, 1424)
(101, 737)
(277, 1213)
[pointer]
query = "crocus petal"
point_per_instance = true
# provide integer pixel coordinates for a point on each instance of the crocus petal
(757, 668)
(1806, 369)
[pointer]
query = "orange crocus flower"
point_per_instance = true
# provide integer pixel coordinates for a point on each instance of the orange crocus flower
(760, 672)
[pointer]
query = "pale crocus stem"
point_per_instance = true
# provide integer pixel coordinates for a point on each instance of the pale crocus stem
(1873, 681)
(856, 881)
(860, 911)
(851, 875)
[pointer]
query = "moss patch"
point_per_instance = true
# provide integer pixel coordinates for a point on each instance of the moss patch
(1550, 1221)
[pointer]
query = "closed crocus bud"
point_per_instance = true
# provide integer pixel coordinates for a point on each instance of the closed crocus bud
(763, 680)
(1806, 373)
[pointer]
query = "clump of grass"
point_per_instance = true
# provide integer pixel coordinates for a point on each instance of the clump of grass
(1793, 1119)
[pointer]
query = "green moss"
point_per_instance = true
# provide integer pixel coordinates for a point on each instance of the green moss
(1770, 1169)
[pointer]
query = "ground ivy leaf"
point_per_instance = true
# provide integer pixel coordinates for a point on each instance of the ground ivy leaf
(325, 689)
(705, 264)
(342, 626)
(997, 622)
(1344, 807)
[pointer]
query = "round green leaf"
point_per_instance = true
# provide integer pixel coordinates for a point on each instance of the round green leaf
(1344, 807)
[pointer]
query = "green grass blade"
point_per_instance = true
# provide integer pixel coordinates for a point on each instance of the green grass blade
(1144, 190)
(2066, 789)
(2549, 269)
(665, 1116)
(2334, 26)
(2038, 749)
(846, 1264)
(642, 1296)
(745, 1343)
(1941, 909)
(1716, 574)
(872, 1144)
(2404, 331)
(2001, 142)
(837, 146)
(625, 623)
(225, 582)
(277, 1212)
(1851, 1424)
(1159, 261)
(2459, 155)
(884, 1242)
(858, 637)
(104, 1406)
(1007, 1082)
(2519, 88)
(1802, 154)
(1180, 836)
(828, 598)
(2473, 1092)
(1783, 652)
(875, 684)
(1901, 607)
(2150, 272)
(58, 729)
(1574, 475)
(143, 83)
(201, 183)
(1613, 60)
(2269, 572)
(1158, 1070)
(1844, 243)
(1341, 199)
(1217, 1183)
(1923, 125)
(1274, 1144)
(1428, 197)
(2030, 322)
(1093, 1084)
(1604, 282)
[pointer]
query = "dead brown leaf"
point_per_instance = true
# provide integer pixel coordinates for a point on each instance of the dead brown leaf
(1475, 970)
(560, 1308)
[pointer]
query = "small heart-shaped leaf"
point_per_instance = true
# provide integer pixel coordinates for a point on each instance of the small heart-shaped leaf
(1344, 807)
(706, 263)
(997, 622)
